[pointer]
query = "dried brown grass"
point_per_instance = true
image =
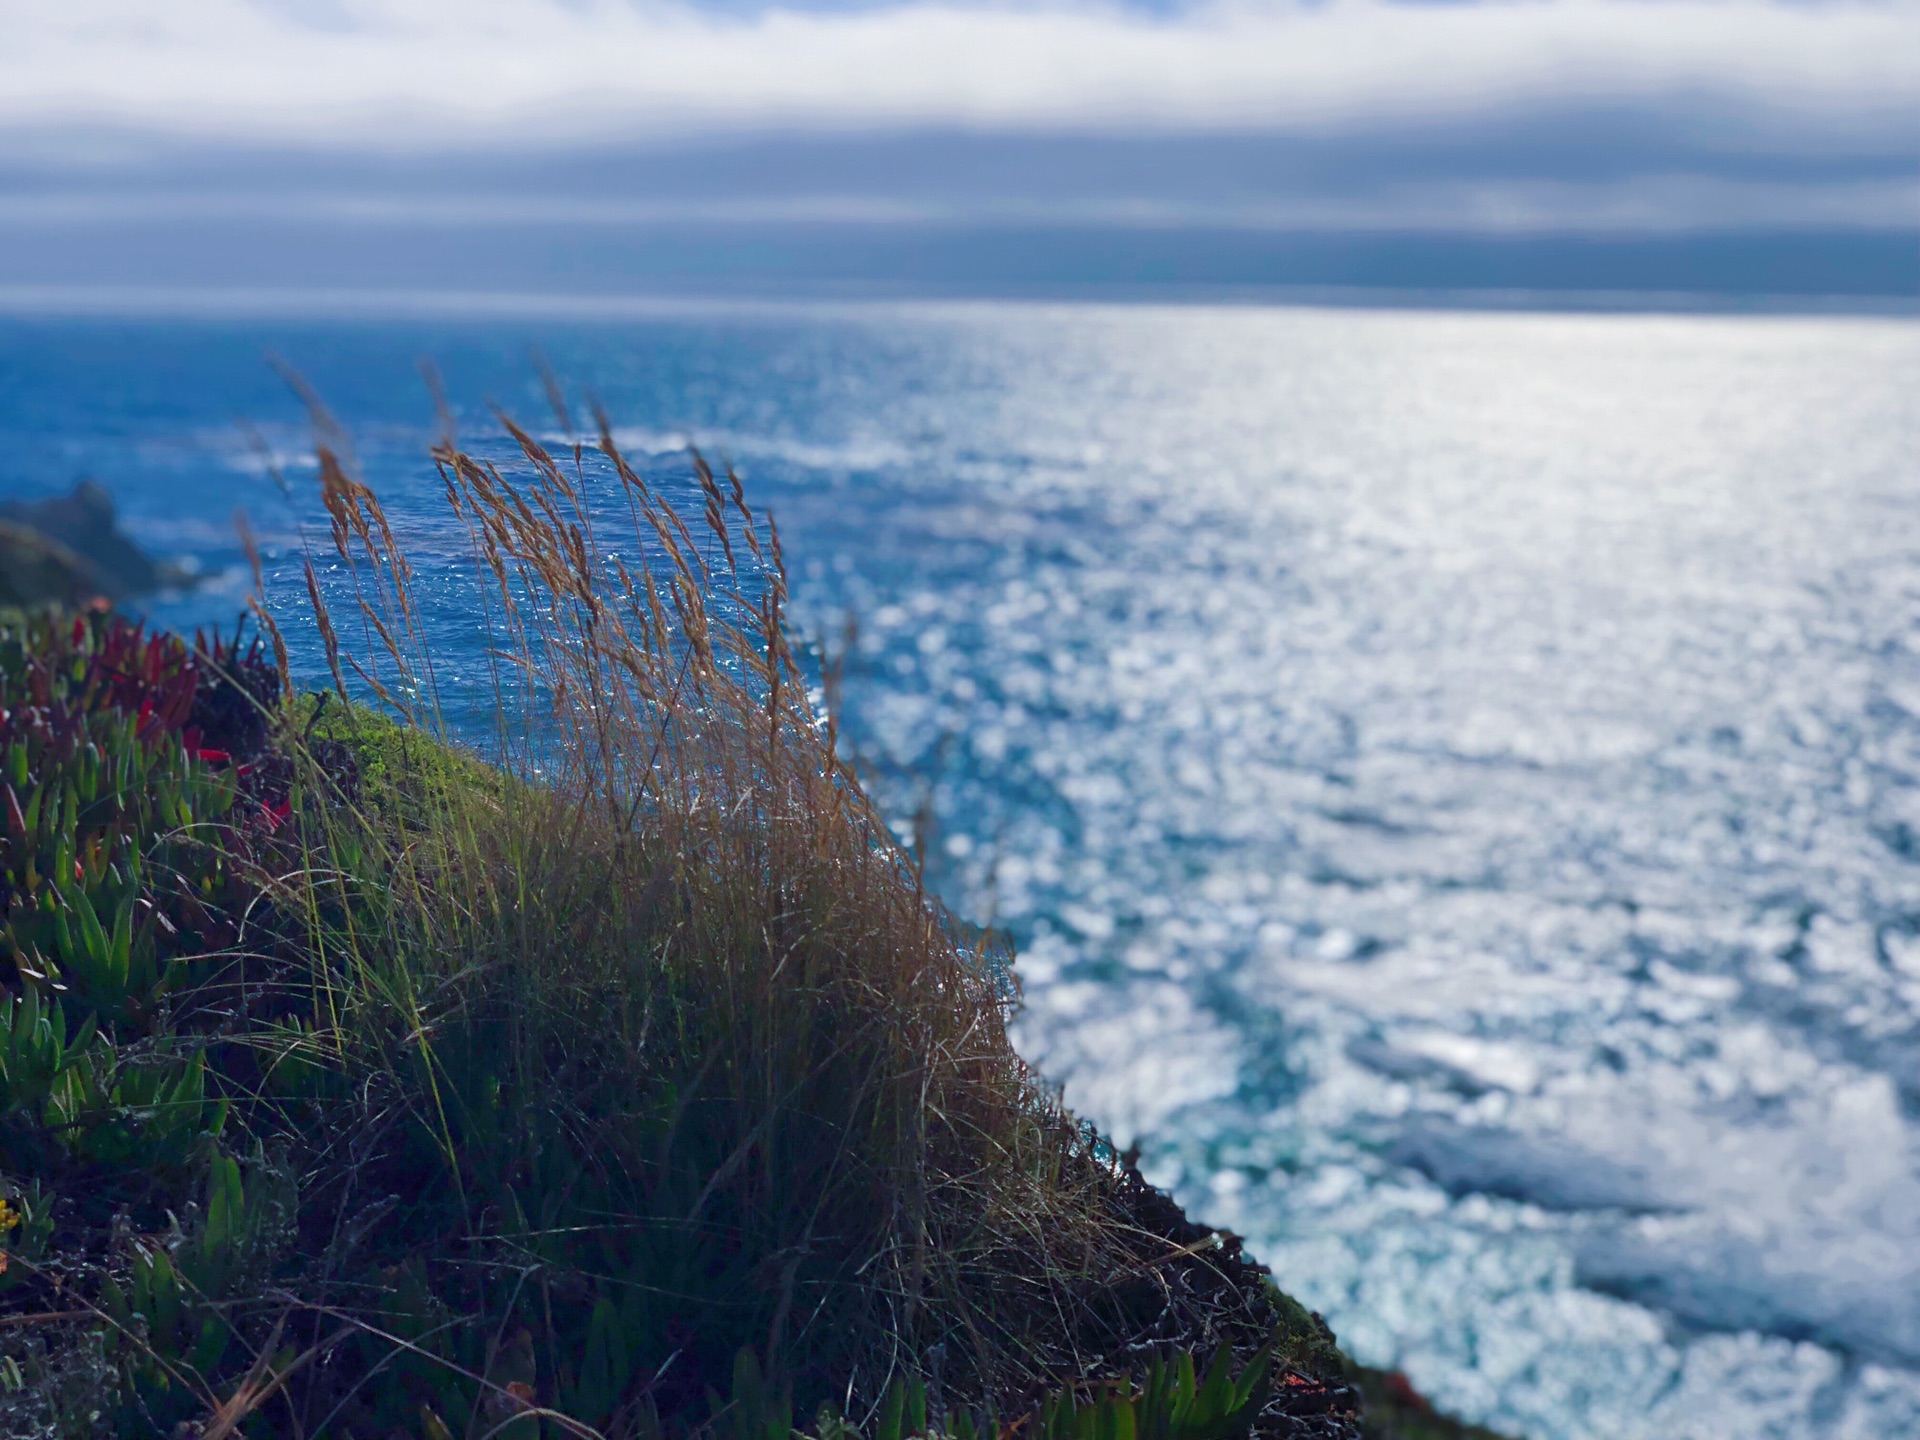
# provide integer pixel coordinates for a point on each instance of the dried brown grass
(695, 1053)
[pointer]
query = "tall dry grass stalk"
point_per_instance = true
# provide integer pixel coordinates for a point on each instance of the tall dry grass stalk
(690, 1059)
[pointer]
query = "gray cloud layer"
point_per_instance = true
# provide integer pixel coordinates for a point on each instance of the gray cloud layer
(564, 138)
(406, 73)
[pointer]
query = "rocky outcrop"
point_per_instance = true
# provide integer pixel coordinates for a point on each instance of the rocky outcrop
(70, 549)
(36, 570)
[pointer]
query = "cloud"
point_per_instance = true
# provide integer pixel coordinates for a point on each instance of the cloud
(535, 144)
(398, 75)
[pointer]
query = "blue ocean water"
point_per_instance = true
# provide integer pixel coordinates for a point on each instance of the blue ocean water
(1454, 778)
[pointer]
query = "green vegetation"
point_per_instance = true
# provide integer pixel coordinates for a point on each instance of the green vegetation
(627, 1085)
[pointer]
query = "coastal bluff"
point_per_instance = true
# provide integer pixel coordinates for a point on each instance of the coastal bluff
(69, 549)
(358, 1083)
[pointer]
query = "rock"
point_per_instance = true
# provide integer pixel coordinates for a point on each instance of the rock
(84, 528)
(37, 570)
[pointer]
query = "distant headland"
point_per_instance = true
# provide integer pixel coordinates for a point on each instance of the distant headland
(69, 549)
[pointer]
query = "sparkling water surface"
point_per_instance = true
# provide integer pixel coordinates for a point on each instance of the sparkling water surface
(1454, 778)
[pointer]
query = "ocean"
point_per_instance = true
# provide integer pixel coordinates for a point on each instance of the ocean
(1453, 778)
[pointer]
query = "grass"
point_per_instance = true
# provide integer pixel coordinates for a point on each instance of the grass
(625, 1084)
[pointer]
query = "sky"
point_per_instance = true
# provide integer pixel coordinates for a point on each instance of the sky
(580, 145)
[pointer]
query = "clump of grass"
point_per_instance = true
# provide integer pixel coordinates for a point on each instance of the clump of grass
(550, 1091)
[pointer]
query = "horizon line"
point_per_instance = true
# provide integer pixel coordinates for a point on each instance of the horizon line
(107, 301)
